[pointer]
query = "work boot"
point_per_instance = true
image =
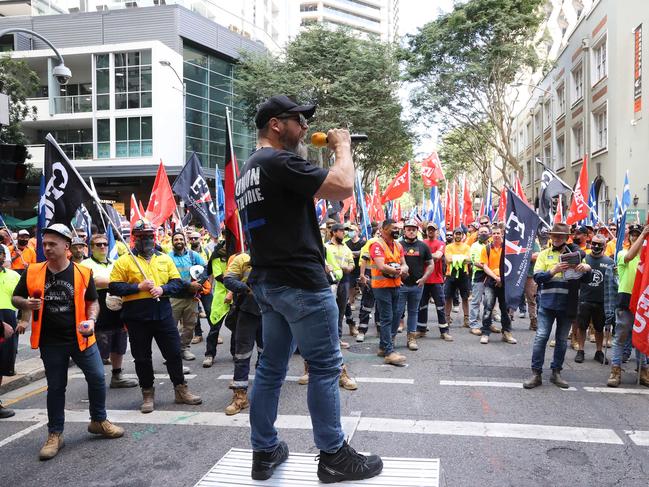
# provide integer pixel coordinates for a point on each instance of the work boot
(6, 412)
(534, 324)
(353, 330)
(187, 355)
(117, 380)
(186, 370)
(579, 357)
(534, 381)
(265, 463)
(412, 341)
(197, 339)
(148, 396)
(446, 336)
(347, 464)
(616, 376)
(304, 379)
(208, 361)
(557, 380)
(476, 331)
(484, 339)
(599, 357)
(466, 322)
(395, 359)
(219, 340)
(553, 343)
(347, 382)
(644, 376)
(380, 352)
(239, 402)
(183, 396)
(106, 429)
(494, 329)
(509, 338)
(52, 446)
(360, 338)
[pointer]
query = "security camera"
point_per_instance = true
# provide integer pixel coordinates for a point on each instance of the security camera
(62, 74)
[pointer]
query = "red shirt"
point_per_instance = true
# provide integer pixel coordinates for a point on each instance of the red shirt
(437, 277)
(376, 250)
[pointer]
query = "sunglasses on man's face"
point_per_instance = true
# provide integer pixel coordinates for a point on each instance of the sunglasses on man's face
(299, 118)
(101, 244)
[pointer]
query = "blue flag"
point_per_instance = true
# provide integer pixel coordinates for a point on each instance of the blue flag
(437, 214)
(361, 209)
(592, 204)
(617, 212)
(220, 199)
(41, 224)
(321, 211)
(488, 205)
(520, 232)
(621, 230)
(112, 245)
(191, 186)
(626, 193)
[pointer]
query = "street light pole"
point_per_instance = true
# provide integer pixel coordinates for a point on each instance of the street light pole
(184, 85)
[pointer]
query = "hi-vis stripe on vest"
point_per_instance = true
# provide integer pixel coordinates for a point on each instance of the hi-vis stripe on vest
(392, 256)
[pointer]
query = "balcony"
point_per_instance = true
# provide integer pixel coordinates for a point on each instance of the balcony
(72, 104)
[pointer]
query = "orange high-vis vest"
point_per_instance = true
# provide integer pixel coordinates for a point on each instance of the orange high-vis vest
(36, 280)
(391, 257)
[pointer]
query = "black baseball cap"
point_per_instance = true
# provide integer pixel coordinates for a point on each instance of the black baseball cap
(276, 105)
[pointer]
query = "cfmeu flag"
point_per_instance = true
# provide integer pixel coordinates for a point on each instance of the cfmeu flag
(431, 170)
(579, 208)
(192, 188)
(162, 203)
(399, 185)
(640, 302)
(521, 225)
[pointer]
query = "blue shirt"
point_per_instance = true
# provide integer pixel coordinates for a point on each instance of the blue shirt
(185, 260)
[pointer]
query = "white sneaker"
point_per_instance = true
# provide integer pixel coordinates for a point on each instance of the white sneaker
(521, 314)
(484, 339)
(360, 337)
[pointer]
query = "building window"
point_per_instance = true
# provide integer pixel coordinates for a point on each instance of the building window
(521, 141)
(133, 79)
(133, 137)
(577, 83)
(537, 124)
(102, 81)
(528, 177)
(561, 152)
(600, 65)
(311, 7)
(103, 138)
(547, 155)
(528, 132)
(561, 100)
(577, 142)
(75, 143)
(600, 129)
(547, 112)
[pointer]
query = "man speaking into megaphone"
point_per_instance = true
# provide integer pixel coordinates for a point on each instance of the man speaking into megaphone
(275, 194)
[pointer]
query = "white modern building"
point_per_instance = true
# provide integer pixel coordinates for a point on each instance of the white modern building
(590, 104)
(148, 85)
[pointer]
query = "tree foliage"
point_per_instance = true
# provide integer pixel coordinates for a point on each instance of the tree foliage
(465, 61)
(19, 82)
(353, 81)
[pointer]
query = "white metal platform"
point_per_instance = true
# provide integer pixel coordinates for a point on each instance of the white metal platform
(300, 470)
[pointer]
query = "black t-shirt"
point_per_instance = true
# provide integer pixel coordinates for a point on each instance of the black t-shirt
(356, 247)
(592, 291)
(275, 199)
(417, 254)
(58, 324)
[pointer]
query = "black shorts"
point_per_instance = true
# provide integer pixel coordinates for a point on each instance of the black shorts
(462, 283)
(111, 341)
(587, 312)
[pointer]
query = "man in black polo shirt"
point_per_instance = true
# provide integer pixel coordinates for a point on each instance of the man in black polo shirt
(275, 196)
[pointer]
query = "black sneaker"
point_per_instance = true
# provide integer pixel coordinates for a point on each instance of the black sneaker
(579, 358)
(599, 357)
(347, 464)
(264, 463)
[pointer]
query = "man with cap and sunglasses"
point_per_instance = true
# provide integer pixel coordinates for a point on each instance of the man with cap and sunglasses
(22, 254)
(434, 287)
(63, 299)
(275, 196)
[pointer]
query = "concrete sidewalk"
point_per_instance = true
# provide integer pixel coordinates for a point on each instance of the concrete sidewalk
(29, 366)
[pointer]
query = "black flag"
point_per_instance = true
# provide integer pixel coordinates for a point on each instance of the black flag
(191, 186)
(520, 233)
(64, 190)
(551, 187)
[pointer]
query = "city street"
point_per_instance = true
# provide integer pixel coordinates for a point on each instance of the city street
(460, 402)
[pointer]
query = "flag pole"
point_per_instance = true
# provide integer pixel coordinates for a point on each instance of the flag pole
(234, 174)
(101, 208)
(13, 242)
(103, 222)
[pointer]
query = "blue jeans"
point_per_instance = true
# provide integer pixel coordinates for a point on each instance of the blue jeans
(410, 296)
(622, 338)
(477, 290)
(546, 319)
(387, 299)
(56, 359)
(491, 296)
(309, 319)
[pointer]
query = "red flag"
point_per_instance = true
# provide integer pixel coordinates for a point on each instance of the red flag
(232, 221)
(379, 212)
(399, 185)
(558, 217)
(397, 211)
(162, 203)
(346, 205)
(456, 217)
(639, 305)
(481, 212)
(518, 189)
(467, 216)
(502, 206)
(140, 208)
(448, 210)
(579, 208)
(431, 170)
(135, 213)
(353, 212)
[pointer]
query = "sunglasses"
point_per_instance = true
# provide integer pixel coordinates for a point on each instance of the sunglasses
(100, 244)
(194, 238)
(299, 119)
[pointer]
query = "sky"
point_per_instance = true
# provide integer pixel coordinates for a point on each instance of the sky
(412, 15)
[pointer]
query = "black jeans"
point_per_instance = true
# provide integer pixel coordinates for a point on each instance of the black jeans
(141, 334)
(206, 301)
(367, 306)
(248, 331)
(435, 291)
(342, 298)
(491, 294)
(213, 336)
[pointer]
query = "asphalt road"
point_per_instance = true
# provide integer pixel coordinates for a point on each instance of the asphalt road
(460, 402)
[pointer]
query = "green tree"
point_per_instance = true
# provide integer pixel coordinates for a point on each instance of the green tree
(465, 61)
(19, 82)
(353, 81)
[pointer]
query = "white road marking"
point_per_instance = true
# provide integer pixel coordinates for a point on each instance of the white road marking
(21, 433)
(386, 425)
(617, 390)
(368, 380)
(134, 376)
(640, 438)
(488, 383)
